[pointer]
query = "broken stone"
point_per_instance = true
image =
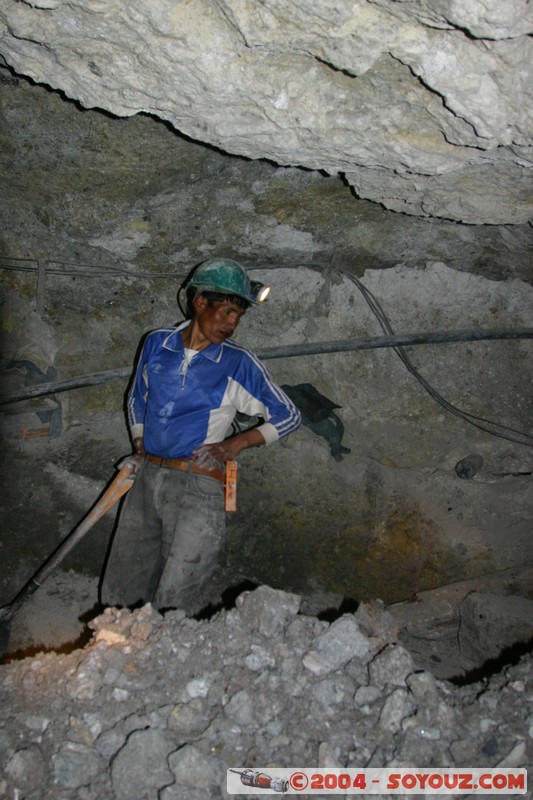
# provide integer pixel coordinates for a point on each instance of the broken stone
(397, 707)
(333, 691)
(391, 666)
(327, 756)
(194, 769)
(267, 610)
(259, 658)
(366, 694)
(341, 642)
(140, 769)
(109, 636)
(75, 765)
(199, 687)
(421, 684)
(241, 708)
(26, 769)
(189, 719)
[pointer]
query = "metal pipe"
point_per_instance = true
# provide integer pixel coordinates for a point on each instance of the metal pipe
(283, 351)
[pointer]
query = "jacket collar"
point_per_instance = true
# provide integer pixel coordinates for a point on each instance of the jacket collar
(174, 342)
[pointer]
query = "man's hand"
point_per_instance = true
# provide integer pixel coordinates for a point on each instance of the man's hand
(136, 459)
(210, 456)
(133, 461)
(214, 456)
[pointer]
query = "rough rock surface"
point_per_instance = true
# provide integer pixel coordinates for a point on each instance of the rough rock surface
(391, 518)
(163, 706)
(490, 623)
(132, 198)
(425, 106)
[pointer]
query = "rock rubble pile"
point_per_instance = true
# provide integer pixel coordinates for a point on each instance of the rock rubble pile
(162, 705)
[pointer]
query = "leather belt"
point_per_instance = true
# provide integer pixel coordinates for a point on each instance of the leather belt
(187, 465)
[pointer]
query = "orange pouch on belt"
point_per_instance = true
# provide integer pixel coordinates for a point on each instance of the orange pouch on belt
(230, 503)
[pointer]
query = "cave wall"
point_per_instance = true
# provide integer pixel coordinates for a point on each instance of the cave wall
(392, 515)
(118, 210)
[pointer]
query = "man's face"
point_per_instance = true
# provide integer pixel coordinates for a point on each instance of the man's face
(217, 321)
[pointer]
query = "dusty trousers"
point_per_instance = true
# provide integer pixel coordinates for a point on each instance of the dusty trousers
(164, 550)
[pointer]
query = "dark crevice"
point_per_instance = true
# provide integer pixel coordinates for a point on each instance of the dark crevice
(348, 606)
(228, 599)
(348, 73)
(509, 657)
(438, 94)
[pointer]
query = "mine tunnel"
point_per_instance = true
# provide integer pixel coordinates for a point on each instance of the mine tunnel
(371, 164)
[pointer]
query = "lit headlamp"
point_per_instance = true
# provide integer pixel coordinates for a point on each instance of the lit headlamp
(260, 291)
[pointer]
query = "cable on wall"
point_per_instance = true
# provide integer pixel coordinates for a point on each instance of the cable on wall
(473, 419)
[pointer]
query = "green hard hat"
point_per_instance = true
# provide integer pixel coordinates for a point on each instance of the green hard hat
(225, 276)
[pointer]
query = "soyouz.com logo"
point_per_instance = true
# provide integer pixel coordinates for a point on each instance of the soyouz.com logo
(405, 780)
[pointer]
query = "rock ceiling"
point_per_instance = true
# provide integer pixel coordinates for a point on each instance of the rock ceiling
(424, 106)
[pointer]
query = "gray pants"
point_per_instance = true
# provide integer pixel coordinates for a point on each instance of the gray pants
(169, 534)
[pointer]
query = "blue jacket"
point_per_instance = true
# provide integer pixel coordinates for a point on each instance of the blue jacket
(176, 407)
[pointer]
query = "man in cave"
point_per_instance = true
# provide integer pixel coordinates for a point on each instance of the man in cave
(190, 382)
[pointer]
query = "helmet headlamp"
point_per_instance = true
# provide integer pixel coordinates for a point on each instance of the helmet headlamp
(260, 291)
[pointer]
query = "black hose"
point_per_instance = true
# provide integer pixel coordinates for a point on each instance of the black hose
(395, 340)
(283, 351)
(482, 423)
